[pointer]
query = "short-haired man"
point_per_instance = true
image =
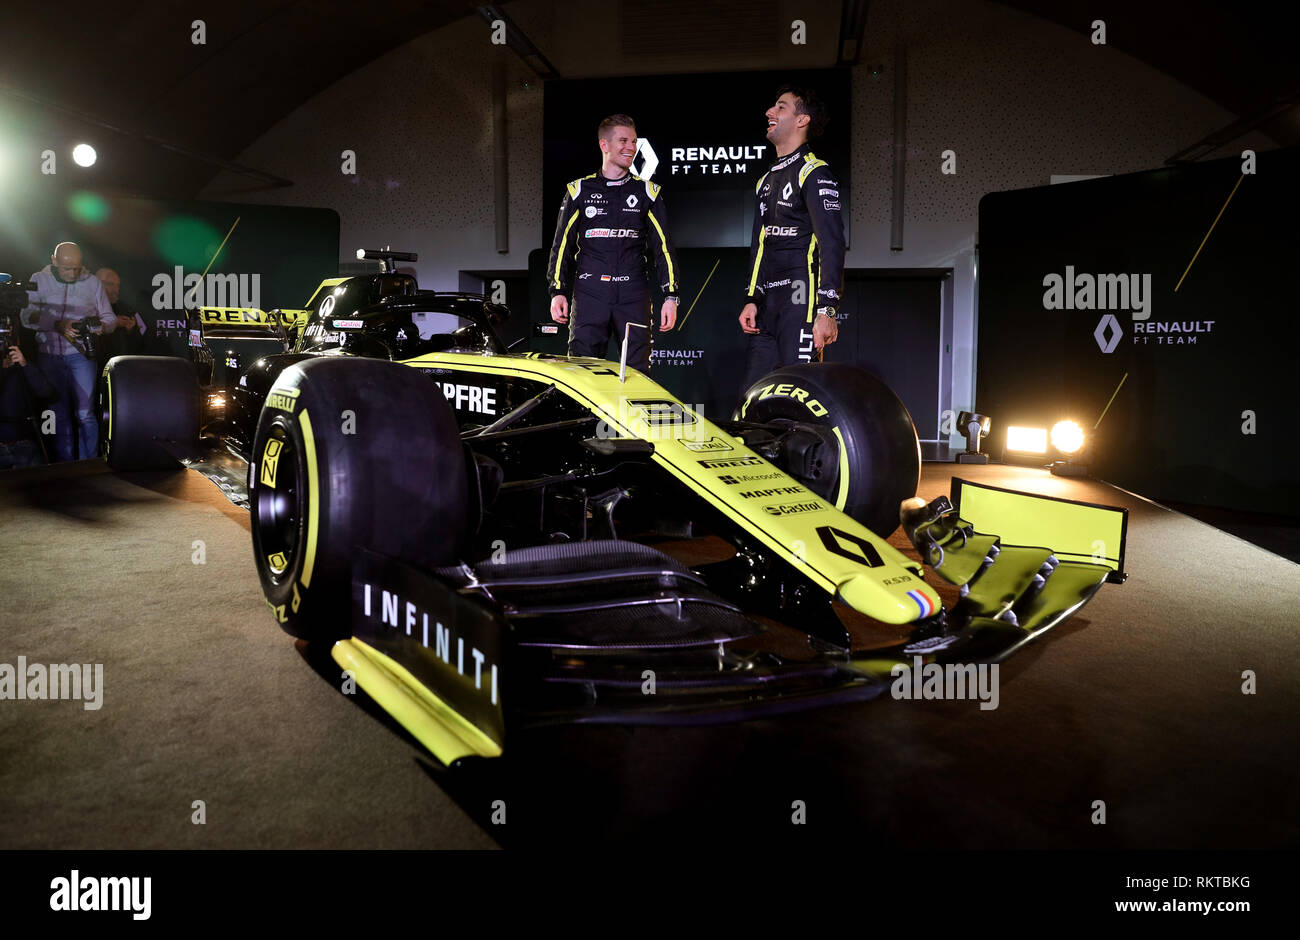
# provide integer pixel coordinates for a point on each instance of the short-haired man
(68, 304)
(129, 337)
(796, 251)
(610, 223)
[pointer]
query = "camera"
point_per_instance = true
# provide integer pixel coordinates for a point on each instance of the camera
(13, 298)
(85, 334)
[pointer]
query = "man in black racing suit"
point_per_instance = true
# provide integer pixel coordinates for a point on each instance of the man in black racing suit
(610, 222)
(796, 251)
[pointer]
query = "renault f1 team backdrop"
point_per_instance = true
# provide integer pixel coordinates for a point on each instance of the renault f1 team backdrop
(1165, 301)
(703, 138)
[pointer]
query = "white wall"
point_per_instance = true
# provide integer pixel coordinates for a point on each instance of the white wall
(1017, 98)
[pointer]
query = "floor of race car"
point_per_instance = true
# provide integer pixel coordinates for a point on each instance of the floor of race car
(1136, 702)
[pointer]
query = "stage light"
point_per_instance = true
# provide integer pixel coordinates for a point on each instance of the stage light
(974, 428)
(1027, 440)
(1067, 437)
(1071, 445)
(83, 155)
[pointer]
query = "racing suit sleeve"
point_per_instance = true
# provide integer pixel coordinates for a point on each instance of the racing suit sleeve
(564, 249)
(661, 247)
(821, 195)
(753, 281)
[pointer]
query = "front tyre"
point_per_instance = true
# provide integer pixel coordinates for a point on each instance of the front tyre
(875, 457)
(350, 454)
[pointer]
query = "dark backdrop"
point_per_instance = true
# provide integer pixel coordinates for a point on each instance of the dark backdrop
(705, 209)
(1175, 428)
(892, 330)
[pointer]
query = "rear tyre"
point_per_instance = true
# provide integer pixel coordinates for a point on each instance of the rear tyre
(350, 454)
(150, 410)
(874, 457)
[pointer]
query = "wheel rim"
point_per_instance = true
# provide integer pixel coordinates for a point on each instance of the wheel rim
(280, 505)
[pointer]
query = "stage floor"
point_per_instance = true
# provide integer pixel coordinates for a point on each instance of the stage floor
(1137, 702)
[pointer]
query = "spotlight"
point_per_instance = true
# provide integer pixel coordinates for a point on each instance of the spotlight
(1027, 441)
(974, 428)
(1069, 441)
(1067, 437)
(1025, 446)
(83, 155)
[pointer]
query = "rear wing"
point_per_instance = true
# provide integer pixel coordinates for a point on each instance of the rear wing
(248, 322)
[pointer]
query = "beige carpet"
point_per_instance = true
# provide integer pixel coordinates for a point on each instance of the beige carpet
(204, 697)
(1135, 702)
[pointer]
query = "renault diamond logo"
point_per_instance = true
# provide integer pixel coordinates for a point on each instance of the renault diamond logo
(1108, 322)
(631, 202)
(646, 154)
(789, 188)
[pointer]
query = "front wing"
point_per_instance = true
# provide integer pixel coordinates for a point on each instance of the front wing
(615, 631)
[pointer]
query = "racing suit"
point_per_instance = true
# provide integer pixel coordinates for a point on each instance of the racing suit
(598, 260)
(796, 260)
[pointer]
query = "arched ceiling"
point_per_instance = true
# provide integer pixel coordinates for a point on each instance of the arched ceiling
(182, 109)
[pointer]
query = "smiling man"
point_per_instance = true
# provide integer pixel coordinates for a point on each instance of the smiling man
(610, 223)
(796, 251)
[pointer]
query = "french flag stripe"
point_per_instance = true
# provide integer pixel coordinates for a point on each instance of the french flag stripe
(923, 602)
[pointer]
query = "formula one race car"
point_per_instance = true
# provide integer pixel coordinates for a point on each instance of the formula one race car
(490, 541)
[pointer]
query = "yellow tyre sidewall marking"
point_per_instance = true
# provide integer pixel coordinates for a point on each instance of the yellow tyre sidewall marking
(268, 474)
(271, 461)
(267, 477)
(843, 494)
(108, 390)
(313, 498)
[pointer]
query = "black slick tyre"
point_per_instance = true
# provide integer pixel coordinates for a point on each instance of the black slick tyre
(150, 412)
(877, 457)
(350, 454)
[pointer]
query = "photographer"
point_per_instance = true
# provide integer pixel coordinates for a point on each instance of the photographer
(66, 310)
(20, 385)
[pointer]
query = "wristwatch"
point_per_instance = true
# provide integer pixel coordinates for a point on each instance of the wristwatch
(826, 312)
(674, 299)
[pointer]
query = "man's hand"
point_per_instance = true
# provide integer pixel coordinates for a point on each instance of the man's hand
(749, 318)
(14, 357)
(68, 328)
(125, 323)
(560, 308)
(825, 330)
(667, 315)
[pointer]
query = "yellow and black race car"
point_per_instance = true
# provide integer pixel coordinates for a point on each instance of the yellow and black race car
(489, 540)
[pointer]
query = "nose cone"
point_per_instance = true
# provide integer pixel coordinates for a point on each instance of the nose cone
(905, 602)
